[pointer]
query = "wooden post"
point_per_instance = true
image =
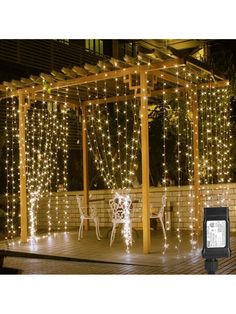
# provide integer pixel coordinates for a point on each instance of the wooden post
(145, 163)
(85, 163)
(196, 162)
(23, 196)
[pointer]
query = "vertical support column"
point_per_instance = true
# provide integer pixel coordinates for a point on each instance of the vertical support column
(145, 162)
(85, 163)
(196, 162)
(23, 196)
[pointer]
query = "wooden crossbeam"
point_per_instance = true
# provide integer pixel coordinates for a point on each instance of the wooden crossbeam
(71, 104)
(108, 75)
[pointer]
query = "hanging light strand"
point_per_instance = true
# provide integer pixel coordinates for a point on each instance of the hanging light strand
(99, 125)
(12, 167)
(189, 154)
(57, 216)
(135, 141)
(164, 165)
(116, 169)
(178, 161)
(7, 167)
(118, 125)
(107, 141)
(126, 145)
(64, 135)
(102, 131)
(203, 145)
(93, 138)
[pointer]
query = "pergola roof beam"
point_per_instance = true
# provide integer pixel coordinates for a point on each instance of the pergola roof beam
(80, 71)
(27, 81)
(17, 84)
(109, 75)
(69, 72)
(47, 77)
(92, 68)
(105, 66)
(130, 60)
(118, 63)
(59, 76)
(36, 79)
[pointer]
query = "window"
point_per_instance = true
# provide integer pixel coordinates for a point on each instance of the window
(94, 45)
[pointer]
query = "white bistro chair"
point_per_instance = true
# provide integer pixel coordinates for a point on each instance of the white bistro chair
(84, 216)
(120, 212)
(160, 214)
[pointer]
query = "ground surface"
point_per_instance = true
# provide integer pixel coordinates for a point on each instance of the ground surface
(90, 256)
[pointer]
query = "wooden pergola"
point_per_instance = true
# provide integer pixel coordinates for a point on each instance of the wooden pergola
(149, 73)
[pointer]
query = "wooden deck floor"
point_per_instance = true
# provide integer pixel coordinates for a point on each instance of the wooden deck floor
(90, 256)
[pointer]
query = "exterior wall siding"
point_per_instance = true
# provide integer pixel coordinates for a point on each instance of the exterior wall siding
(212, 195)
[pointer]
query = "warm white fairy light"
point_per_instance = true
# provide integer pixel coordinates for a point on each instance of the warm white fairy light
(177, 100)
(189, 155)
(202, 146)
(15, 167)
(46, 139)
(107, 135)
(95, 136)
(224, 144)
(115, 154)
(214, 142)
(103, 131)
(51, 168)
(104, 134)
(208, 141)
(34, 136)
(135, 141)
(124, 201)
(118, 125)
(164, 165)
(64, 133)
(125, 181)
(12, 167)
(7, 165)
(57, 216)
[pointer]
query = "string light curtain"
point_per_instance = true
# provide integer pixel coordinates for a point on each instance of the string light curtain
(114, 136)
(47, 155)
(12, 168)
(113, 131)
(214, 141)
(46, 129)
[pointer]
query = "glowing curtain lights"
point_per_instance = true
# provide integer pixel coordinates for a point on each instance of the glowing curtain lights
(113, 137)
(47, 154)
(12, 168)
(46, 128)
(215, 142)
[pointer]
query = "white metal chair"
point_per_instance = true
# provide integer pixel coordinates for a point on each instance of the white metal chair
(120, 208)
(84, 216)
(160, 214)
